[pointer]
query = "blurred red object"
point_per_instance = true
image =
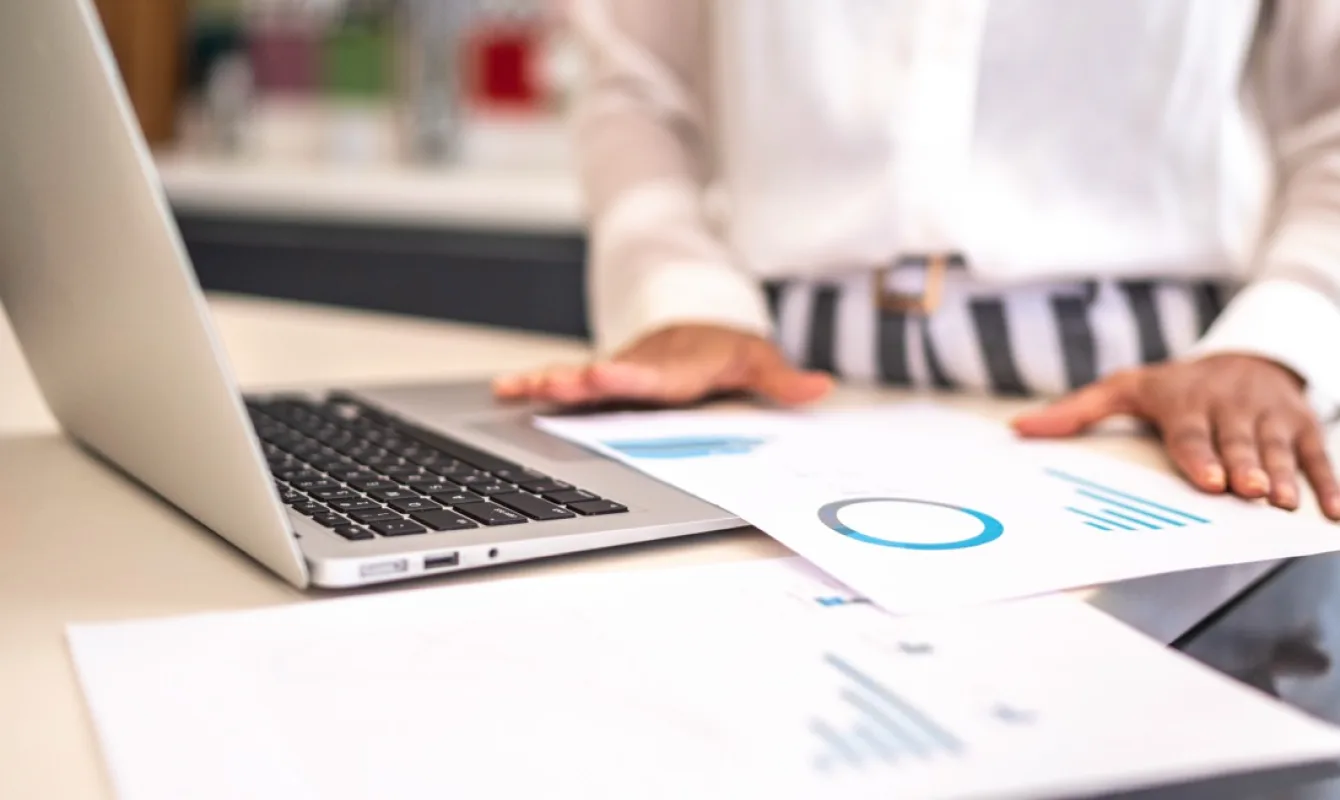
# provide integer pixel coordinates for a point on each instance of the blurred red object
(503, 61)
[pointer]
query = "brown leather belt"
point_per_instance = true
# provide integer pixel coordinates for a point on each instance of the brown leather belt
(928, 299)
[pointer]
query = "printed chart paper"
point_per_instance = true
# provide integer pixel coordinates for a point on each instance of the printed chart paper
(756, 680)
(921, 508)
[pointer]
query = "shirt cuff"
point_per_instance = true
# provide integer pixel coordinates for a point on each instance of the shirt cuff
(686, 293)
(655, 262)
(1290, 324)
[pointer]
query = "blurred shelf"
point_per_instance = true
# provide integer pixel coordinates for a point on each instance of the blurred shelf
(463, 197)
(511, 176)
(495, 239)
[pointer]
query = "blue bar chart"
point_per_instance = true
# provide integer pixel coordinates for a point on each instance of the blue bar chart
(1105, 508)
(882, 728)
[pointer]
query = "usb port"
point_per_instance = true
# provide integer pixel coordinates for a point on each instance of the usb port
(444, 560)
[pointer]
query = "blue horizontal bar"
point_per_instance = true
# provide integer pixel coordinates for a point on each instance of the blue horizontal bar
(1129, 518)
(905, 709)
(885, 750)
(907, 739)
(1097, 518)
(1105, 499)
(1099, 527)
(1065, 476)
(837, 745)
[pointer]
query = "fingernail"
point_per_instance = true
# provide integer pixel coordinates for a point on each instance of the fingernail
(1214, 476)
(1286, 496)
(1257, 480)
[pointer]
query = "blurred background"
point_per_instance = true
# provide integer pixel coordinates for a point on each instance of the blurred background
(404, 155)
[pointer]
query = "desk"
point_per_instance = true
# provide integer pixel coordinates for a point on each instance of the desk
(79, 543)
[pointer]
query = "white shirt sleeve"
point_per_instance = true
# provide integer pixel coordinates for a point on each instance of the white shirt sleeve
(645, 161)
(1290, 312)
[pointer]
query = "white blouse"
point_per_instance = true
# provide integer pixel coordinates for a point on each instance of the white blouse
(726, 142)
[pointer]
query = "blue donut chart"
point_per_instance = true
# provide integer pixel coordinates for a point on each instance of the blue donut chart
(991, 527)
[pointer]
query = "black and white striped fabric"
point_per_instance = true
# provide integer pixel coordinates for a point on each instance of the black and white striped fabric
(1019, 341)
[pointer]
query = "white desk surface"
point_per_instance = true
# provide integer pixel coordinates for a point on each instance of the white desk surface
(80, 543)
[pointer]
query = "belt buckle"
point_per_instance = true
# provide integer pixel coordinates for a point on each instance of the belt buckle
(924, 302)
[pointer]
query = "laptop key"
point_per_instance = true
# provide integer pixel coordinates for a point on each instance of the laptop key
(331, 520)
(456, 471)
(374, 515)
(374, 484)
(456, 497)
(329, 465)
(434, 488)
(489, 513)
(569, 496)
(545, 486)
(316, 484)
(490, 489)
(300, 474)
(429, 458)
(400, 471)
(340, 493)
(595, 507)
(353, 475)
(308, 508)
(387, 495)
(289, 497)
(381, 458)
(533, 507)
(354, 504)
(443, 520)
(418, 479)
(414, 504)
(398, 527)
(520, 475)
(305, 450)
(354, 533)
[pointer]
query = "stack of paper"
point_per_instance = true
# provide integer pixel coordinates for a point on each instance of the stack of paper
(758, 680)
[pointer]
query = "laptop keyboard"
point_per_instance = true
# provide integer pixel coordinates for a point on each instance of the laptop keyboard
(364, 474)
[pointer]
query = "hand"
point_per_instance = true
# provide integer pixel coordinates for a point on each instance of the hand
(674, 366)
(1229, 422)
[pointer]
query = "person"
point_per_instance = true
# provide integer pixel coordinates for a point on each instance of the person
(1128, 207)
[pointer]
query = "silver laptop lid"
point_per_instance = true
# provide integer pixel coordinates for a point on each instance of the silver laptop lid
(101, 295)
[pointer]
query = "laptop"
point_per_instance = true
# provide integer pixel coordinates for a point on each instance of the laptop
(333, 488)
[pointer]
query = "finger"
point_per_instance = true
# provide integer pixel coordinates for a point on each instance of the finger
(533, 382)
(775, 379)
(1275, 436)
(564, 385)
(1235, 439)
(1186, 437)
(1079, 410)
(626, 381)
(673, 383)
(521, 385)
(509, 387)
(1316, 463)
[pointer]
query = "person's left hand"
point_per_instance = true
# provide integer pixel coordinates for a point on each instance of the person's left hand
(1229, 422)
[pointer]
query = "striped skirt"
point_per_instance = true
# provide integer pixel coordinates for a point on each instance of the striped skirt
(1018, 341)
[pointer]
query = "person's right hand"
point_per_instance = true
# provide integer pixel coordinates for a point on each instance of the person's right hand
(673, 366)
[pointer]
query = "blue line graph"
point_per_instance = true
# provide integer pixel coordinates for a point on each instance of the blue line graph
(1115, 510)
(885, 727)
